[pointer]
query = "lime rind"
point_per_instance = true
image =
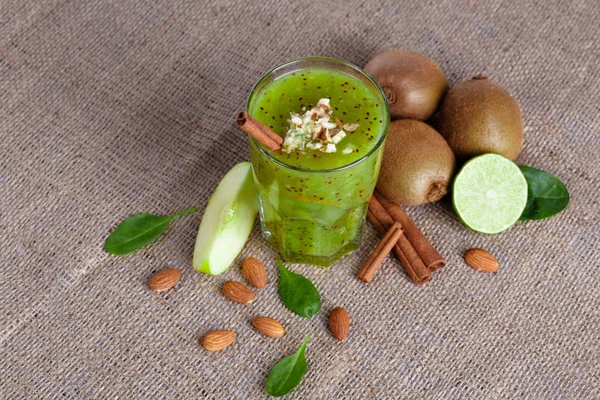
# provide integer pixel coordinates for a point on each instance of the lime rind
(489, 193)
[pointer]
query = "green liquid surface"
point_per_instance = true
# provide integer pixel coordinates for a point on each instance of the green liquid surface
(315, 214)
(351, 100)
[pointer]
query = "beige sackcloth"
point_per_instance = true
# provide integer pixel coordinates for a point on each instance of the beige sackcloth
(111, 108)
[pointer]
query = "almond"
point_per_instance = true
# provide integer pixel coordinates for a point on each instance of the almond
(339, 323)
(217, 340)
(482, 260)
(268, 327)
(237, 292)
(255, 272)
(164, 279)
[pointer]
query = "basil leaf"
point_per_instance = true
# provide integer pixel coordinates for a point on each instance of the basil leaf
(288, 373)
(298, 293)
(546, 194)
(138, 231)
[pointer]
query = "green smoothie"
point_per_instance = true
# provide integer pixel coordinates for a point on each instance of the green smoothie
(313, 198)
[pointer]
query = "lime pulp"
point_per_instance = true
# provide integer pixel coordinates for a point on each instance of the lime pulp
(489, 193)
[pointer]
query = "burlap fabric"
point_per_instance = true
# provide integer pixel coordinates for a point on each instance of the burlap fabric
(110, 108)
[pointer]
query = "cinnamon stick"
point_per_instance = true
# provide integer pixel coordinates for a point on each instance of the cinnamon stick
(405, 252)
(258, 131)
(380, 252)
(430, 256)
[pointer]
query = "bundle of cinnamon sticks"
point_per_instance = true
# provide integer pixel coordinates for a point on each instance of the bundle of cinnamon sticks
(415, 253)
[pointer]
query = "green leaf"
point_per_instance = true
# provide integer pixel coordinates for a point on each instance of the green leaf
(547, 195)
(138, 231)
(288, 373)
(298, 293)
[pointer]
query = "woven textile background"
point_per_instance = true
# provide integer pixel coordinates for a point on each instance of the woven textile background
(110, 108)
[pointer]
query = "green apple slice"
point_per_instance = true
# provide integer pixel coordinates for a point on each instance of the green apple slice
(227, 221)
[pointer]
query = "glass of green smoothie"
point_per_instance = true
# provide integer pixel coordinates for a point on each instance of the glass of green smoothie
(314, 193)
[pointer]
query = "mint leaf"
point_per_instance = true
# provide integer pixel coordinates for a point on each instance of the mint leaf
(298, 293)
(139, 231)
(288, 373)
(546, 194)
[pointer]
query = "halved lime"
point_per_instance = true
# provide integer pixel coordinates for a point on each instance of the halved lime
(489, 193)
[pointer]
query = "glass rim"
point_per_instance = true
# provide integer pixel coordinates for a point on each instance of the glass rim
(336, 61)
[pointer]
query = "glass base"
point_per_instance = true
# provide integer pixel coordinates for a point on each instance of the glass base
(320, 261)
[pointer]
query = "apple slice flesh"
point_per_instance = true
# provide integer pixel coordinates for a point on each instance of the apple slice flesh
(227, 221)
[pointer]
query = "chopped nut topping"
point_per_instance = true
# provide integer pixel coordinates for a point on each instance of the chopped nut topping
(350, 127)
(330, 148)
(323, 103)
(314, 130)
(322, 134)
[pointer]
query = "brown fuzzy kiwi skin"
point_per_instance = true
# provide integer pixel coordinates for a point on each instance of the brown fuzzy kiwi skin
(417, 166)
(413, 83)
(478, 116)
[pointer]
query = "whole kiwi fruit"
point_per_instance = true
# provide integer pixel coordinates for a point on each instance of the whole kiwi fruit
(413, 84)
(417, 164)
(478, 116)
